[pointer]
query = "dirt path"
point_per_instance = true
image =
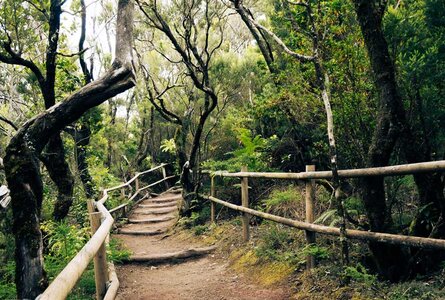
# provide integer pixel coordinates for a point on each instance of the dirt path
(204, 277)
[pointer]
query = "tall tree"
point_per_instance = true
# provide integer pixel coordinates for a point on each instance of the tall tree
(191, 38)
(54, 155)
(322, 79)
(392, 125)
(81, 132)
(21, 160)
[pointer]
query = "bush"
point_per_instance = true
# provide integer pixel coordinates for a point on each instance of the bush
(200, 229)
(7, 286)
(359, 274)
(286, 202)
(116, 251)
(276, 244)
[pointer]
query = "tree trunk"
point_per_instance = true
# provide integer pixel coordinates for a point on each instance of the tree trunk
(22, 169)
(390, 260)
(145, 139)
(184, 165)
(60, 173)
(81, 133)
(54, 156)
(82, 140)
(21, 160)
(112, 112)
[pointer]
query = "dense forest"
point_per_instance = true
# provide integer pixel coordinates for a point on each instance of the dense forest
(92, 92)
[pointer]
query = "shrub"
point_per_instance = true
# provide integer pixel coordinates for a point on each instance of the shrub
(359, 274)
(286, 202)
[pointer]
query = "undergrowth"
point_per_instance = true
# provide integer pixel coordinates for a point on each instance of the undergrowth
(62, 242)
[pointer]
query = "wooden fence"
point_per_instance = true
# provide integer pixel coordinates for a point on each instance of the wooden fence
(309, 177)
(102, 221)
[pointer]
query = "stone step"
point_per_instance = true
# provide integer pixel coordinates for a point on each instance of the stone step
(161, 211)
(159, 205)
(143, 232)
(152, 220)
(170, 257)
(163, 200)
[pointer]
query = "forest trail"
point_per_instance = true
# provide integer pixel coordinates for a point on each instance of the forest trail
(161, 266)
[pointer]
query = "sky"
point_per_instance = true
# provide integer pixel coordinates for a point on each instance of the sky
(95, 32)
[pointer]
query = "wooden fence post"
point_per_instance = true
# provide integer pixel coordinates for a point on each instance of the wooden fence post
(123, 193)
(212, 204)
(100, 260)
(310, 199)
(164, 175)
(245, 203)
(137, 184)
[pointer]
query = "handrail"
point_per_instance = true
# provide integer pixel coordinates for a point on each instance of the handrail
(404, 169)
(150, 185)
(62, 285)
(350, 233)
(138, 191)
(311, 228)
(133, 179)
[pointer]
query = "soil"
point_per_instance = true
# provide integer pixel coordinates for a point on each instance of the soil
(206, 277)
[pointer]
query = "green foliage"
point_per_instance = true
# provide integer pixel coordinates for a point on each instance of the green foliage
(318, 252)
(64, 240)
(7, 286)
(196, 218)
(285, 202)
(85, 287)
(200, 229)
(168, 146)
(418, 292)
(276, 244)
(116, 251)
(251, 154)
(353, 206)
(359, 274)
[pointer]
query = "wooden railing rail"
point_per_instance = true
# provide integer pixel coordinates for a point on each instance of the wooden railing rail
(309, 176)
(106, 288)
(350, 233)
(406, 169)
(129, 182)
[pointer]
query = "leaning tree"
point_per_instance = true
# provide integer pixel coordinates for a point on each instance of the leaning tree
(14, 36)
(22, 154)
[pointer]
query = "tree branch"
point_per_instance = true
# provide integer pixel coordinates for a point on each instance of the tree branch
(9, 122)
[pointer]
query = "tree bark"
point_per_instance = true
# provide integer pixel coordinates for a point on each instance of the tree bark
(54, 156)
(54, 160)
(263, 44)
(81, 133)
(21, 160)
(145, 138)
(390, 125)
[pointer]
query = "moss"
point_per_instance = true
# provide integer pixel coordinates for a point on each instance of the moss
(265, 273)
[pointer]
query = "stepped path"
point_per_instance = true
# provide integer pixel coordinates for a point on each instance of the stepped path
(164, 265)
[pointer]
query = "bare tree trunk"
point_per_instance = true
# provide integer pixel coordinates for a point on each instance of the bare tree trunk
(81, 136)
(110, 154)
(21, 160)
(263, 44)
(323, 83)
(145, 138)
